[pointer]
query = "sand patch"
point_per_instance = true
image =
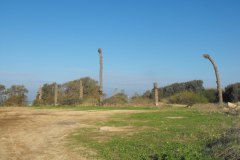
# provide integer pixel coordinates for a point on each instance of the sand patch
(116, 129)
(175, 117)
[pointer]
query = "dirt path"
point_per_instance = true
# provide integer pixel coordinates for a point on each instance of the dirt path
(30, 134)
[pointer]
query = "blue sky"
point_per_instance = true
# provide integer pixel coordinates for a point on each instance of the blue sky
(143, 41)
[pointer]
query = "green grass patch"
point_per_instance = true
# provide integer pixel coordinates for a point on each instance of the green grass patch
(168, 133)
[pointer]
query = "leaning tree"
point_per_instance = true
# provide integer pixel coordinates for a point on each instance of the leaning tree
(207, 56)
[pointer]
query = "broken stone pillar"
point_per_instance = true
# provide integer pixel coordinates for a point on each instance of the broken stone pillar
(80, 90)
(55, 94)
(155, 86)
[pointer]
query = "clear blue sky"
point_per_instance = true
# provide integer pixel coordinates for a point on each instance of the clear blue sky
(143, 41)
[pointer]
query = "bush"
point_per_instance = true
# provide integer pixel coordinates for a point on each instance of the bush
(191, 86)
(232, 93)
(139, 100)
(227, 146)
(188, 98)
(16, 101)
(211, 95)
(118, 99)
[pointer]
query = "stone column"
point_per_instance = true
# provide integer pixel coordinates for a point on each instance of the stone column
(220, 96)
(55, 94)
(80, 90)
(155, 86)
(100, 77)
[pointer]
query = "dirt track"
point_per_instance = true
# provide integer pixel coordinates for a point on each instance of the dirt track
(31, 134)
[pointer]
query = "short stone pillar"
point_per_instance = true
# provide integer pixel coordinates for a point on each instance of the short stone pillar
(155, 88)
(80, 90)
(55, 94)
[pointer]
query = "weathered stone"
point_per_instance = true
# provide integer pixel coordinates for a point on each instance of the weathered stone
(225, 109)
(80, 90)
(231, 105)
(55, 94)
(155, 86)
(238, 108)
(207, 56)
(100, 77)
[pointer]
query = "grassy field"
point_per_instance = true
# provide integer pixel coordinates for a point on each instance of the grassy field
(165, 133)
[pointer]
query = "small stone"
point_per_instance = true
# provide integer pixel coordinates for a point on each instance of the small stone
(225, 109)
(231, 105)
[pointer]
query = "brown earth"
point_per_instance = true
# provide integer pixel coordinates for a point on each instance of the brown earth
(41, 134)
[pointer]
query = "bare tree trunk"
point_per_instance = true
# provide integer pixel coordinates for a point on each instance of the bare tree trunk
(155, 86)
(217, 78)
(100, 78)
(55, 94)
(80, 90)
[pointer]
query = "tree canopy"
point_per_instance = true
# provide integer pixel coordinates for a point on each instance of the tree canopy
(15, 96)
(68, 93)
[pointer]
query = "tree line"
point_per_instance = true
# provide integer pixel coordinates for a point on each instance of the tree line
(192, 92)
(16, 95)
(68, 94)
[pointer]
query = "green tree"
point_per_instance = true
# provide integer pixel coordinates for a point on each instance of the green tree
(68, 93)
(16, 96)
(191, 86)
(211, 95)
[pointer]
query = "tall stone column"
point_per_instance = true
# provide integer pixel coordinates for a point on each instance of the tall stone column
(100, 77)
(220, 96)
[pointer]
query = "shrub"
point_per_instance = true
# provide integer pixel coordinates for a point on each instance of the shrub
(191, 86)
(118, 99)
(232, 93)
(139, 100)
(16, 100)
(188, 98)
(226, 146)
(211, 95)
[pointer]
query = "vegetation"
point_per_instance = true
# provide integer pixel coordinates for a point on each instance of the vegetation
(188, 98)
(117, 99)
(13, 96)
(227, 146)
(211, 95)
(232, 93)
(68, 93)
(172, 133)
(145, 99)
(2, 94)
(192, 86)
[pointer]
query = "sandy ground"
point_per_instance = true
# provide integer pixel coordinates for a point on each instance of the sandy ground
(33, 134)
